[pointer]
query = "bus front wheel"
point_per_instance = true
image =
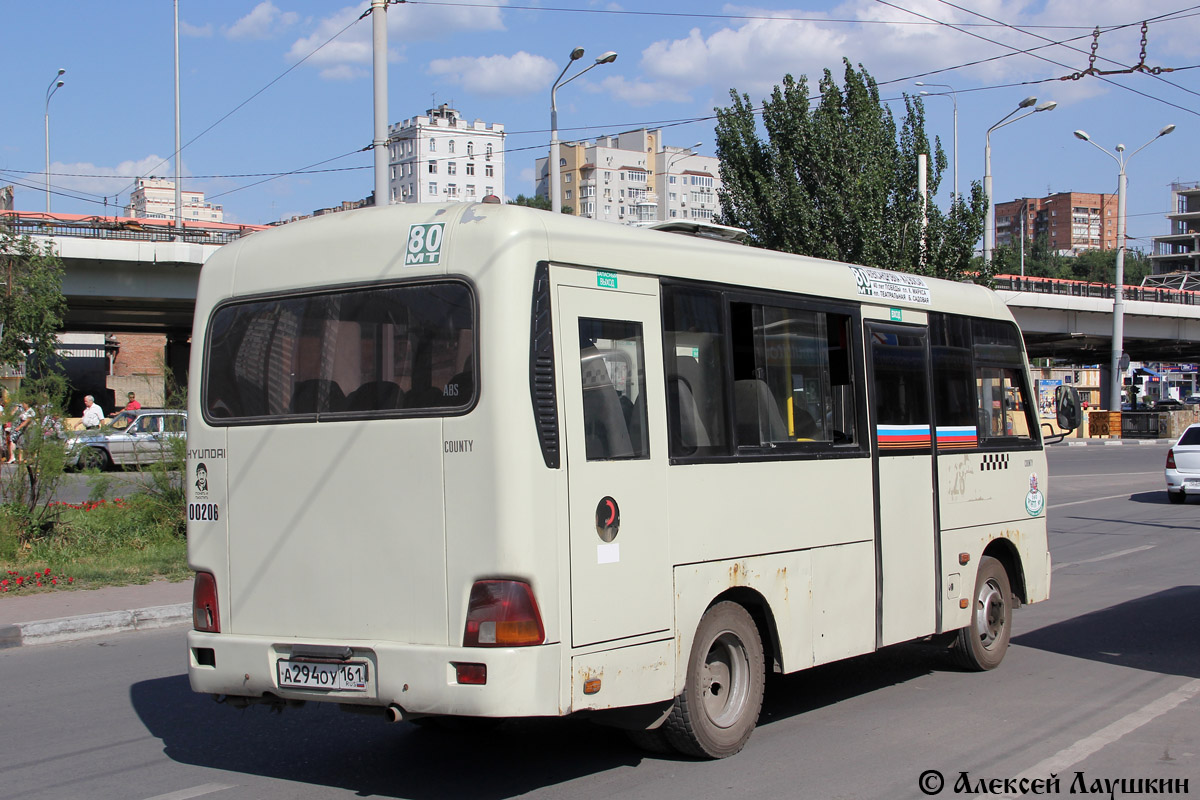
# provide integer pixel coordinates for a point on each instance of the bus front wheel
(718, 708)
(981, 645)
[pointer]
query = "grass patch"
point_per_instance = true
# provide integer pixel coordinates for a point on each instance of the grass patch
(113, 543)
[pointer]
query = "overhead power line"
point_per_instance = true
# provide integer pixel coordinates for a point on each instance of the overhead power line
(952, 26)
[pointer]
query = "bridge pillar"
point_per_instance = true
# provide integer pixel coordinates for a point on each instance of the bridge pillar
(179, 352)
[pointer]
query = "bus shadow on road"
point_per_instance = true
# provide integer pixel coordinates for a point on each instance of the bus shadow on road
(323, 746)
(1156, 633)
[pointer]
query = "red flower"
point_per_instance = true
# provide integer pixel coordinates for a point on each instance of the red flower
(20, 580)
(70, 580)
(54, 581)
(47, 572)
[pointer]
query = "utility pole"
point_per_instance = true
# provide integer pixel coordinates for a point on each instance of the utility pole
(379, 143)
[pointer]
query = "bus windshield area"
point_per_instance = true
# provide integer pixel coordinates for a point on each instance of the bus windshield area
(386, 350)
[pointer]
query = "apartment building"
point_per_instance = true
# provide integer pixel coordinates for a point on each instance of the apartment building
(1071, 221)
(1179, 250)
(632, 178)
(441, 157)
(154, 198)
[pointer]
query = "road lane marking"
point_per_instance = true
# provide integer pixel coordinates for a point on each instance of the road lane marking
(195, 791)
(1058, 477)
(1089, 500)
(1068, 757)
(1117, 554)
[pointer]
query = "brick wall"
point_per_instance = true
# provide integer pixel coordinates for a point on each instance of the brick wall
(139, 367)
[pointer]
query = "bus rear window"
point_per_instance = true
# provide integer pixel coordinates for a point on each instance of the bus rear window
(379, 351)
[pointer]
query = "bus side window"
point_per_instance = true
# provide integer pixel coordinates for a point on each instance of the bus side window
(1003, 398)
(694, 344)
(611, 361)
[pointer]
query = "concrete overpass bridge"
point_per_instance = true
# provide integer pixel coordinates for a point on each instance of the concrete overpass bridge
(1072, 320)
(139, 275)
(125, 274)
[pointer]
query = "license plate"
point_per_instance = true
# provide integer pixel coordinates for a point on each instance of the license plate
(322, 675)
(1192, 483)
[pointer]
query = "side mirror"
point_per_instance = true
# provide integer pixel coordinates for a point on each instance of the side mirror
(1066, 399)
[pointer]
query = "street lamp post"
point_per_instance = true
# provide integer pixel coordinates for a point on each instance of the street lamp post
(1118, 334)
(989, 231)
(667, 170)
(555, 175)
(954, 99)
(54, 86)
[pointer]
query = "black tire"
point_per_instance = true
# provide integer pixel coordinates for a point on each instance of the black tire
(1177, 497)
(981, 645)
(718, 708)
(94, 458)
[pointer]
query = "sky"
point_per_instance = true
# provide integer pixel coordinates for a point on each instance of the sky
(276, 96)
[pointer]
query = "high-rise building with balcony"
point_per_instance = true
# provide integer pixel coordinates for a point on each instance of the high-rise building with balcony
(632, 178)
(441, 157)
(154, 198)
(1071, 221)
(1179, 250)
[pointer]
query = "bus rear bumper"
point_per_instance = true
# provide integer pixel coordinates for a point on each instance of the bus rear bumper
(420, 679)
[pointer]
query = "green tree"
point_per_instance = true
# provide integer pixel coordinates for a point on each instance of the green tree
(532, 201)
(838, 180)
(32, 305)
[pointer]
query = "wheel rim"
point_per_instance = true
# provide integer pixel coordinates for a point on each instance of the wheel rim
(990, 613)
(725, 685)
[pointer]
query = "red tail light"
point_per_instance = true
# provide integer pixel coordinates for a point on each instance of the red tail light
(502, 614)
(205, 616)
(1171, 458)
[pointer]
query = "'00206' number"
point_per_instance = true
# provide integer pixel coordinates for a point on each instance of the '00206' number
(203, 512)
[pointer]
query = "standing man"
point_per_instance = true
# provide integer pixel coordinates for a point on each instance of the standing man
(93, 414)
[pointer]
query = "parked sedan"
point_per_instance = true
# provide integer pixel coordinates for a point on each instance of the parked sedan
(1169, 404)
(132, 438)
(1183, 466)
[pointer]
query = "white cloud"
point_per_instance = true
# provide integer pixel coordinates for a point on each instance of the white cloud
(520, 73)
(195, 31)
(264, 22)
(344, 72)
(754, 55)
(641, 92)
(97, 180)
(406, 23)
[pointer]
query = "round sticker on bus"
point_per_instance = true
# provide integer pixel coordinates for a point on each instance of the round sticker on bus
(608, 519)
(1035, 501)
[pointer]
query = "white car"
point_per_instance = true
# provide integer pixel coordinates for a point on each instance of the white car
(1183, 466)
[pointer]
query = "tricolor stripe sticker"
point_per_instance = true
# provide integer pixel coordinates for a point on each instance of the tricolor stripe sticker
(897, 437)
(954, 437)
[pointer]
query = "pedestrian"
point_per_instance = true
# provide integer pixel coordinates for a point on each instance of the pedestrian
(21, 422)
(93, 414)
(132, 405)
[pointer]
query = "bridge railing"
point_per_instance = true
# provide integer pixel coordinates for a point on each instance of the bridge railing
(122, 228)
(1153, 294)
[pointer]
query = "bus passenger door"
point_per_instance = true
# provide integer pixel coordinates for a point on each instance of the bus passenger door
(906, 533)
(611, 355)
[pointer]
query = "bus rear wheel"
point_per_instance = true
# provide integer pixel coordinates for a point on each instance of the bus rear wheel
(981, 645)
(718, 708)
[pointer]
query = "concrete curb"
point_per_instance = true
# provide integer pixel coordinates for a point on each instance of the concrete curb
(48, 631)
(1110, 442)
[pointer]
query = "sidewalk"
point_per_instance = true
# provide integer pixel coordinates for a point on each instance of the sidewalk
(64, 615)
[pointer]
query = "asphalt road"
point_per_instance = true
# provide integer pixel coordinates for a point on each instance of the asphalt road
(1103, 680)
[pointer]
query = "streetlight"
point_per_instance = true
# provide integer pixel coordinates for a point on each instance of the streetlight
(1118, 334)
(555, 176)
(954, 99)
(55, 85)
(989, 231)
(667, 171)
